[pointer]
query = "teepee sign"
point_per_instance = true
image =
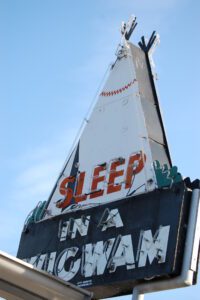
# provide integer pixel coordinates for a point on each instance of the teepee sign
(119, 210)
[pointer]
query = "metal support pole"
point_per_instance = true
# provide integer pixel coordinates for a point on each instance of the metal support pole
(136, 295)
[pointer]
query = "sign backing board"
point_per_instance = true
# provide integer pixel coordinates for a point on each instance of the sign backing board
(122, 138)
(107, 249)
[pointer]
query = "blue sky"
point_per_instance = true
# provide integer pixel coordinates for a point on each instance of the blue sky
(53, 55)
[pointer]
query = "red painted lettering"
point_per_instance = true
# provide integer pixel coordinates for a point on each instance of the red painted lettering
(79, 188)
(67, 192)
(135, 165)
(96, 180)
(112, 187)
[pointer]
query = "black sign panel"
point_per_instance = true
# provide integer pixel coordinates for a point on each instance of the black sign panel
(108, 248)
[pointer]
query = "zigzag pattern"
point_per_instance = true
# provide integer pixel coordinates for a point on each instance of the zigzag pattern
(115, 92)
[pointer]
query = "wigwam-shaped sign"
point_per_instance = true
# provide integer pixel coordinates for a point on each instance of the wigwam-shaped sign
(118, 212)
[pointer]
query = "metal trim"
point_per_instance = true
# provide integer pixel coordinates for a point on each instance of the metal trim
(190, 260)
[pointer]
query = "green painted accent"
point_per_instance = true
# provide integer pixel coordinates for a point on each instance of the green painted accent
(39, 211)
(36, 213)
(166, 177)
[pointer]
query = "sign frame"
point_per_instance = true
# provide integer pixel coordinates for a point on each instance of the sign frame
(189, 270)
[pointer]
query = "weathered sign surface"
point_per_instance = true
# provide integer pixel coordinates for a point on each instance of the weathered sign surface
(122, 139)
(118, 212)
(124, 241)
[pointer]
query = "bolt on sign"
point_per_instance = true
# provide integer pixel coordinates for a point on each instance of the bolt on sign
(118, 212)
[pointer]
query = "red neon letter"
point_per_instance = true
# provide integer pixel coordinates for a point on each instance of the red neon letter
(135, 165)
(67, 192)
(96, 180)
(114, 174)
(79, 188)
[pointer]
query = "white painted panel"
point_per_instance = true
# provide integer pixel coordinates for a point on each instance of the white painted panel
(116, 129)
